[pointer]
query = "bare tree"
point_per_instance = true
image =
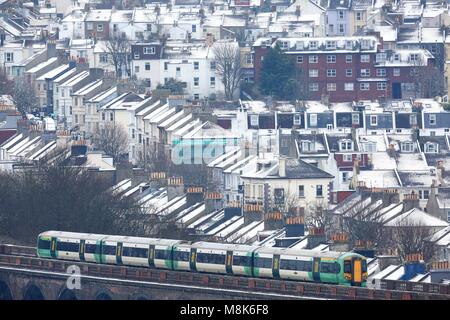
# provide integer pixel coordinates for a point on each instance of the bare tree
(228, 59)
(319, 217)
(364, 223)
(118, 46)
(113, 140)
(24, 96)
(61, 196)
(412, 237)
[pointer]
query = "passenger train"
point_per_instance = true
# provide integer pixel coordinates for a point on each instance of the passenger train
(345, 268)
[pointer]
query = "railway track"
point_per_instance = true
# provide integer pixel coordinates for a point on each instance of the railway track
(25, 257)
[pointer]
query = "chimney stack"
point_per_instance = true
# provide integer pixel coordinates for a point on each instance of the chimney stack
(410, 201)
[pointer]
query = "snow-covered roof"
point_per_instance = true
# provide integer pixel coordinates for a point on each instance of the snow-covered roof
(53, 73)
(88, 88)
(103, 95)
(42, 65)
(416, 217)
(75, 79)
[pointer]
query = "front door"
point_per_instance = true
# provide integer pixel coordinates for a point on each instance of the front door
(396, 90)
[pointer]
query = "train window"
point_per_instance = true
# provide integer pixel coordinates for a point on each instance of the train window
(109, 250)
(44, 244)
(68, 246)
(162, 254)
(90, 248)
(364, 266)
(181, 255)
(242, 261)
(347, 266)
(263, 263)
(211, 258)
(135, 252)
(296, 265)
(329, 267)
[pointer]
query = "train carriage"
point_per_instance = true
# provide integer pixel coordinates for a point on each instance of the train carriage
(70, 246)
(210, 257)
(155, 253)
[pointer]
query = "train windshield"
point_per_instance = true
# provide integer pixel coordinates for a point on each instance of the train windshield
(347, 266)
(44, 244)
(364, 266)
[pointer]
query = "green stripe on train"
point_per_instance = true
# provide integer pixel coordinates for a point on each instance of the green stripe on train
(98, 255)
(169, 262)
(255, 269)
(44, 253)
(248, 269)
(175, 261)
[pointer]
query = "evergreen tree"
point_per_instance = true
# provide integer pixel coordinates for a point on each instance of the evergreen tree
(278, 75)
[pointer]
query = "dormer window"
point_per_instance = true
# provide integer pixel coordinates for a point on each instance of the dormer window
(149, 50)
(431, 147)
(297, 120)
(313, 45)
(254, 120)
(331, 45)
(414, 57)
(365, 44)
(346, 145)
(348, 45)
(308, 146)
(299, 45)
(407, 146)
(396, 57)
(284, 45)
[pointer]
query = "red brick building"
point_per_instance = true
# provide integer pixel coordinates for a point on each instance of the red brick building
(349, 68)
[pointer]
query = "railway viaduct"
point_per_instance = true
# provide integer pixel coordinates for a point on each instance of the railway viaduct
(28, 284)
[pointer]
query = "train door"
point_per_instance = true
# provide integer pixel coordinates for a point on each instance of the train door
(151, 256)
(193, 259)
(229, 262)
(82, 249)
(119, 249)
(53, 247)
(276, 266)
(357, 271)
(316, 269)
